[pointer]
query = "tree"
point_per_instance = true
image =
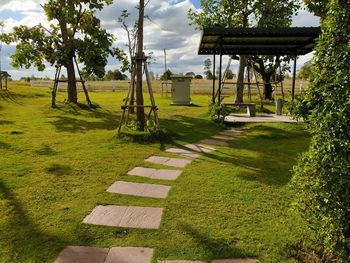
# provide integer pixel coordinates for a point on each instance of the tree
(230, 74)
(75, 32)
(139, 56)
(198, 77)
(207, 69)
(305, 71)
(166, 75)
(321, 179)
(190, 74)
(115, 75)
(244, 14)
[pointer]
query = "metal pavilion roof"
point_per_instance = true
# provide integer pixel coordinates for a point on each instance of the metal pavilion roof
(258, 41)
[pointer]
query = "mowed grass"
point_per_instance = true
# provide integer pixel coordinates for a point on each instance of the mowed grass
(56, 165)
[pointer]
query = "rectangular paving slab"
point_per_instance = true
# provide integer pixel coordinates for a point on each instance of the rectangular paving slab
(214, 142)
(200, 148)
(183, 152)
(222, 137)
(125, 216)
(129, 255)
(236, 260)
(139, 189)
(162, 174)
(76, 254)
(231, 132)
(168, 161)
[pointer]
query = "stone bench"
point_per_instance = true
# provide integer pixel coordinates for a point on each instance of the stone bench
(251, 107)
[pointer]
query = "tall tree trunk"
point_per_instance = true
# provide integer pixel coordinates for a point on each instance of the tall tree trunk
(72, 84)
(140, 112)
(69, 60)
(240, 79)
(267, 86)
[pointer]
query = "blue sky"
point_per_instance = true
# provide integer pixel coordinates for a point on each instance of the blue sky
(168, 29)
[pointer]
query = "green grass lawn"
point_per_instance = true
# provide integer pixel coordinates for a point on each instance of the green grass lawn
(56, 165)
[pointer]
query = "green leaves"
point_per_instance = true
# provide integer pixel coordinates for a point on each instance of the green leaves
(322, 178)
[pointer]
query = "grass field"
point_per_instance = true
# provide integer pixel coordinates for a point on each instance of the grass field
(198, 86)
(56, 165)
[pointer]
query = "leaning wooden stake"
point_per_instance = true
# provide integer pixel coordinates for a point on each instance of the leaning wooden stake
(124, 120)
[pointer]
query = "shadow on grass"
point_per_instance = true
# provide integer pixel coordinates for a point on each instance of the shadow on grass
(216, 248)
(24, 239)
(46, 150)
(59, 169)
(5, 145)
(11, 96)
(74, 124)
(271, 152)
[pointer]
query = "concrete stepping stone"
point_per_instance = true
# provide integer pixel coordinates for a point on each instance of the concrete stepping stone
(236, 260)
(214, 142)
(125, 216)
(168, 161)
(162, 174)
(180, 261)
(76, 254)
(183, 152)
(129, 255)
(200, 148)
(231, 132)
(139, 189)
(221, 137)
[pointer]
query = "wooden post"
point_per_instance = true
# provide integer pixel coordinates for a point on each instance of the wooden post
(294, 76)
(139, 61)
(220, 76)
(214, 62)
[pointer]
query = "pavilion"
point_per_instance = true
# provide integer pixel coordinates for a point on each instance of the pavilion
(4, 76)
(294, 41)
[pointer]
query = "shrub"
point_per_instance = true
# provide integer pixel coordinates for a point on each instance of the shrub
(322, 177)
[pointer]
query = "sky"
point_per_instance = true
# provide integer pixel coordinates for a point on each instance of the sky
(167, 28)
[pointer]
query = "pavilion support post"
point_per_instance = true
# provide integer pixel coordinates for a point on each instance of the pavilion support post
(294, 77)
(213, 94)
(220, 76)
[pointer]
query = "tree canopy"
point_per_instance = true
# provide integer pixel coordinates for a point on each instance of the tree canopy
(248, 13)
(74, 31)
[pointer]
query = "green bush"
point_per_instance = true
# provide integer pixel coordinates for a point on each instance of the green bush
(322, 177)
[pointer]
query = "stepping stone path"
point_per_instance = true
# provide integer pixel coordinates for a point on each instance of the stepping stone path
(139, 189)
(125, 216)
(214, 142)
(161, 174)
(142, 217)
(183, 152)
(200, 148)
(168, 161)
(75, 254)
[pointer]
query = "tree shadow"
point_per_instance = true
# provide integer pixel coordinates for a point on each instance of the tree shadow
(107, 120)
(272, 149)
(216, 248)
(5, 145)
(46, 150)
(59, 169)
(3, 122)
(28, 243)
(190, 129)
